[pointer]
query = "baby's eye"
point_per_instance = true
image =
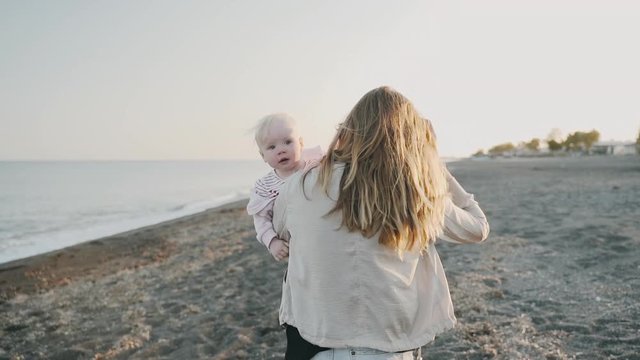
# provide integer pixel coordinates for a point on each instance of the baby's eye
(288, 142)
(271, 147)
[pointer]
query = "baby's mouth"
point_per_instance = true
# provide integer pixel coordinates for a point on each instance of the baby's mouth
(283, 160)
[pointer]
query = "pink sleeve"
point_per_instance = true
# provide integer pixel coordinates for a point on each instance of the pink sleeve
(263, 222)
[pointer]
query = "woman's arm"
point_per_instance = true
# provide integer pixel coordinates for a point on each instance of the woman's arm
(464, 221)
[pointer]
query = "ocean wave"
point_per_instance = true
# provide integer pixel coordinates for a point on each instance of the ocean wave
(14, 246)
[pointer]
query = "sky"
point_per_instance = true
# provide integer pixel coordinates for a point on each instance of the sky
(154, 80)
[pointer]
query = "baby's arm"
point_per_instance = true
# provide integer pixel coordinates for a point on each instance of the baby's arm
(264, 226)
(262, 221)
(261, 208)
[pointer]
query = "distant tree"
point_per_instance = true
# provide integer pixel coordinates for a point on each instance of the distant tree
(501, 149)
(554, 145)
(590, 138)
(573, 141)
(479, 153)
(581, 141)
(533, 145)
(555, 140)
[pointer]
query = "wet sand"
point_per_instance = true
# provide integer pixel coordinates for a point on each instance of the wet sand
(559, 278)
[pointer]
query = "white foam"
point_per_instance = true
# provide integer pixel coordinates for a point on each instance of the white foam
(19, 248)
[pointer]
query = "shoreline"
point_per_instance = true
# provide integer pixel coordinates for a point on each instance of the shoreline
(51, 205)
(145, 221)
(59, 267)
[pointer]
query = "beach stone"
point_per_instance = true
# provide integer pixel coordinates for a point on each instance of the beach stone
(69, 354)
(16, 327)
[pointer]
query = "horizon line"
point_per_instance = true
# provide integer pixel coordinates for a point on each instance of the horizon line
(157, 160)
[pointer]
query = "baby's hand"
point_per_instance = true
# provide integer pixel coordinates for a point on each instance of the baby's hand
(279, 249)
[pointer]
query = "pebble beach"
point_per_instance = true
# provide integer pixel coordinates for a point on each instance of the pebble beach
(558, 278)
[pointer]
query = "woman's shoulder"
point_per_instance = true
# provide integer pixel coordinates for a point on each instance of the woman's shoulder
(304, 183)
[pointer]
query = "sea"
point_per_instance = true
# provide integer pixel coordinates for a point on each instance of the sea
(49, 205)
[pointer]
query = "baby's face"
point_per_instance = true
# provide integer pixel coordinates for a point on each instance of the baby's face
(282, 147)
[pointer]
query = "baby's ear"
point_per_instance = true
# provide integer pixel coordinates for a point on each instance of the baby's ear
(261, 154)
(301, 142)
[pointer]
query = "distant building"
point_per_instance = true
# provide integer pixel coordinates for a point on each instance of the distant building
(613, 148)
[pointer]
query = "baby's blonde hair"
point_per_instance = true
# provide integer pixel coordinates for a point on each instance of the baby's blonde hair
(393, 183)
(264, 124)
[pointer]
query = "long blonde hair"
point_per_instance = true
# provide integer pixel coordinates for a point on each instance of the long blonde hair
(393, 183)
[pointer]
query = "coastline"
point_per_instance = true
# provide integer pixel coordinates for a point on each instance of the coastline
(62, 239)
(51, 205)
(556, 279)
(96, 257)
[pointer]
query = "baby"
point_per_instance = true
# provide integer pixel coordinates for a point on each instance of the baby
(280, 146)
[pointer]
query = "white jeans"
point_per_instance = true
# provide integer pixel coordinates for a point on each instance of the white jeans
(364, 354)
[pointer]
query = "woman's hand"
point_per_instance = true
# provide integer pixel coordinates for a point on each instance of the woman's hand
(279, 249)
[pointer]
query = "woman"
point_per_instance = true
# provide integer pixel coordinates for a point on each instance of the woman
(364, 276)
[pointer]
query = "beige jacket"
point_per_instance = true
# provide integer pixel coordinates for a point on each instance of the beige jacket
(343, 290)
